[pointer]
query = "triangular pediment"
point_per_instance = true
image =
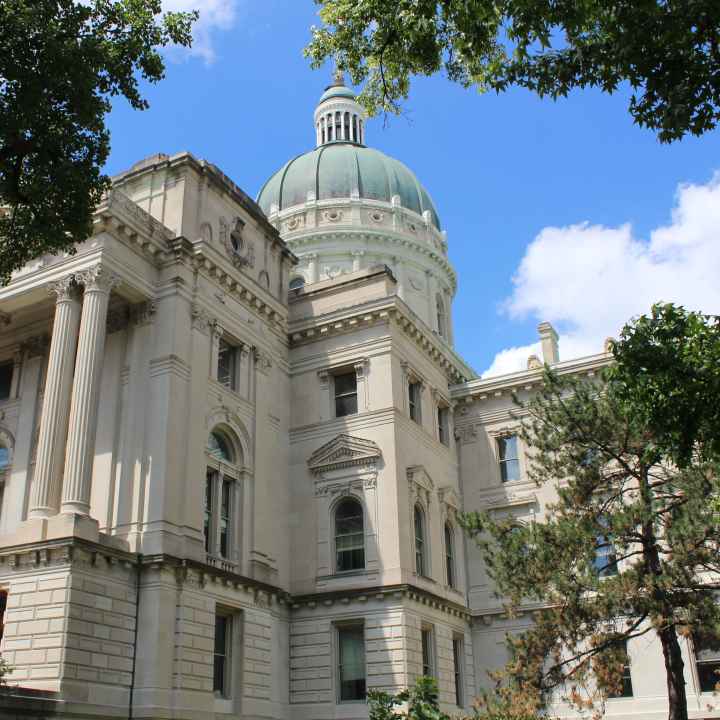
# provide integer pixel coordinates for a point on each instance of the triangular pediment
(344, 451)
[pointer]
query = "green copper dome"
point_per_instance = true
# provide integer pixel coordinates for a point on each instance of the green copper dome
(340, 170)
(337, 91)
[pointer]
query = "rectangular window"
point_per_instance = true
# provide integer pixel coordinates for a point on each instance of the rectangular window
(415, 400)
(3, 606)
(443, 426)
(605, 556)
(428, 659)
(508, 458)
(458, 670)
(345, 394)
(6, 376)
(225, 500)
(221, 655)
(351, 662)
(227, 365)
(626, 688)
(208, 508)
(707, 661)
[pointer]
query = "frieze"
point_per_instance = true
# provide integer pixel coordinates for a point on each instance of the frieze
(344, 451)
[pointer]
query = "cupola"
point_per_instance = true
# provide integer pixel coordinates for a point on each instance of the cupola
(338, 116)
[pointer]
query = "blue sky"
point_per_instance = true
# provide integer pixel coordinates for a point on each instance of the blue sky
(562, 210)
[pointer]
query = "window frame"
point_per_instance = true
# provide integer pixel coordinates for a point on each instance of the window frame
(504, 462)
(336, 508)
(347, 626)
(427, 642)
(443, 423)
(339, 373)
(458, 648)
(10, 366)
(701, 665)
(226, 692)
(420, 539)
(626, 679)
(220, 518)
(233, 352)
(415, 403)
(450, 566)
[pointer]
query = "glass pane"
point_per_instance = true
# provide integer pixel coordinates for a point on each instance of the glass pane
(352, 559)
(351, 642)
(346, 405)
(4, 457)
(346, 383)
(226, 364)
(605, 557)
(507, 447)
(509, 470)
(6, 373)
(219, 447)
(426, 636)
(222, 624)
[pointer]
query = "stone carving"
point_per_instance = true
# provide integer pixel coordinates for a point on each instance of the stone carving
(36, 346)
(201, 319)
(344, 451)
(98, 279)
(332, 215)
(240, 250)
(143, 313)
(65, 289)
(295, 223)
(206, 232)
(466, 433)
(117, 319)
(376, 216)
(533, 363)
(263, 361)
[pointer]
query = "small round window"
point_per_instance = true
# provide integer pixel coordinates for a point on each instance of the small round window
(297, 282)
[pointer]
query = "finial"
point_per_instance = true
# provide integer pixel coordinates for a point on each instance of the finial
(338, 77)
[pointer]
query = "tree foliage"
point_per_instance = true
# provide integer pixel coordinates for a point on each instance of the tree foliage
(61, 62)
(667, 52)
(629, 545)
(420, 702)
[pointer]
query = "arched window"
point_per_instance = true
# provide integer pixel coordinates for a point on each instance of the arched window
(449, 555)
(297, 282)
(222, 501)
(420, 549)
(349, 536)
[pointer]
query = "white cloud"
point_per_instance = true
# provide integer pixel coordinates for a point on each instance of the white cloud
(588, 280)
(214, 15)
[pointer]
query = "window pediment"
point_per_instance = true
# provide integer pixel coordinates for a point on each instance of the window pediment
(342, 452)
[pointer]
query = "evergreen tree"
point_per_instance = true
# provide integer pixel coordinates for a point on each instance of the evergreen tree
(632, 543)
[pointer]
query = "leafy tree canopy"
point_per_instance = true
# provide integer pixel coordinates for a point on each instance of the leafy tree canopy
(629, 546)
(668, 52)
(61, 61)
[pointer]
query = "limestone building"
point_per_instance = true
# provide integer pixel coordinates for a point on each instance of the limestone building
(234, 437)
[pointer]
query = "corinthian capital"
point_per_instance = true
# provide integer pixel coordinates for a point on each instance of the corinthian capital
(98, 279)
(64, 289)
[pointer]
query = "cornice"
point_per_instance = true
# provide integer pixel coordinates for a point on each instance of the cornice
(386, 310)
(528, 380)
(392, 239)
(382, 593)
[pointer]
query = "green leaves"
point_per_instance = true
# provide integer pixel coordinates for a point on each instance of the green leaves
(421, 701)
(60, 62)
(667, 52)
(633, 460)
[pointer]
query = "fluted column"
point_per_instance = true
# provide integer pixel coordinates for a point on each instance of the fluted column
(86, 391)
(45, 497)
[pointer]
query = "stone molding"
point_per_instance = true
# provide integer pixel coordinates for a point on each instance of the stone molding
(344, 451)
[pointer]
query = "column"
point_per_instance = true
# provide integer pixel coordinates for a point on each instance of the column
(45, 496)
(312, 259)
(86, 390)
